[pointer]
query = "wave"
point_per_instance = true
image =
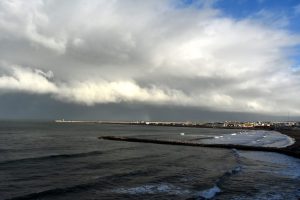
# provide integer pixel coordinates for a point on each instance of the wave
(4, 150)
(162, 188)
(216, 188)
(106, 182)
(48, 157)
(165, 188)
(208, 193)
(62, 156)
(169, 189)
(253, 138)
(213, 191)
(54, 192)
(100, 183)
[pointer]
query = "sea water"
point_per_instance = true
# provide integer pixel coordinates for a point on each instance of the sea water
(46, 160)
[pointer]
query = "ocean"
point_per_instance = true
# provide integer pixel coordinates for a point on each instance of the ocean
(47, 160)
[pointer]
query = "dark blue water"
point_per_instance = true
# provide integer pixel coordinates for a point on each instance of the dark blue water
(67, 161)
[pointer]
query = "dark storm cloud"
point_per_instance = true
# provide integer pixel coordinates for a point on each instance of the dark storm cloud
(25, 106)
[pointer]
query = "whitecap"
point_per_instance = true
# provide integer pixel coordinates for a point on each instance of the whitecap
(253, 138)
(209, 193)
(163, 188)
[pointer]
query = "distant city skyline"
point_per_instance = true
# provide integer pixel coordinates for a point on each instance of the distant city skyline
(199, 60)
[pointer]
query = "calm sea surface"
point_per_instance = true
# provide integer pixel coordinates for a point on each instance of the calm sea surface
(67, 161)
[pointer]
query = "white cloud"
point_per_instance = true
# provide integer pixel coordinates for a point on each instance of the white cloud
(20, 79)
(88, 92)
(297, 9)
(149, 52)
(91, 93)
(26, 80)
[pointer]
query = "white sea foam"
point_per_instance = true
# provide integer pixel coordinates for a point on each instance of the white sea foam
(169, 189)
(163, 188)
(253, 138)
(209, 193)
(236, 169)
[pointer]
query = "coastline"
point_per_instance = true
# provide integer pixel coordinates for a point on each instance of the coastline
(292, 150)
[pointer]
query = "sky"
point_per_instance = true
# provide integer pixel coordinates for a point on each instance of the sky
(198, 60)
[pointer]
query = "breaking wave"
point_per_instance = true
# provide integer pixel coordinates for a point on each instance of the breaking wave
(171, 189)
(253, 138)
(162, 188)
(101, 183)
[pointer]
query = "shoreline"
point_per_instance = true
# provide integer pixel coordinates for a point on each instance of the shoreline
(292, 150)
(284, 150)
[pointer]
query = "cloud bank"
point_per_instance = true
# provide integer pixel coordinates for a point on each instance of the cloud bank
(150, 52)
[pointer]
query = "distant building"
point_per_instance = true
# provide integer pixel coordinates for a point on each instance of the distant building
(247, 125)
(232, 124)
